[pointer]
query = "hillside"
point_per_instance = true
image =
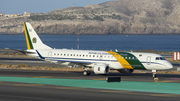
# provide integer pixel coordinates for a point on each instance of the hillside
(116, 17)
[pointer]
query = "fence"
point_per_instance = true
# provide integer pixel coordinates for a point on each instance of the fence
(176, 56)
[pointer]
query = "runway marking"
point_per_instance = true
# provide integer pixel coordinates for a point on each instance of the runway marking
(169, 81)
(43, 77)
(165, 95)
(130, 92)
(28, 84)
(71, 88)
(10, 96)
(155, 87)
(100, 79)
(115, 91)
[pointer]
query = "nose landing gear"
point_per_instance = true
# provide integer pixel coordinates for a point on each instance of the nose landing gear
(153, 73)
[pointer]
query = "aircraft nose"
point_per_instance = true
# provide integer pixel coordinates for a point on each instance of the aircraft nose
(169, 66)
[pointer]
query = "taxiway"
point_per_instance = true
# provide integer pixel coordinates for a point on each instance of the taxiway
(16, 91)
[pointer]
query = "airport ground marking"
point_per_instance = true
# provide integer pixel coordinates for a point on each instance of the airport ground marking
(155, 87)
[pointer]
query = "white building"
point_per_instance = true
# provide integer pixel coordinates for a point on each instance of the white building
(26, 14)
(2, 14)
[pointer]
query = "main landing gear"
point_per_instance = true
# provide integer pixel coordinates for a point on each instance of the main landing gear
(86, 73)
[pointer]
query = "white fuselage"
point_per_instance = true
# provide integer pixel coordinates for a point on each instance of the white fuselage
(90, 58)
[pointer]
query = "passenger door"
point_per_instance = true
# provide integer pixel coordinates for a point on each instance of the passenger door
(148, 60)
(49, 55)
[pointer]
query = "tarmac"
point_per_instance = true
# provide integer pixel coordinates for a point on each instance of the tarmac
(36, 85)
(155, 87)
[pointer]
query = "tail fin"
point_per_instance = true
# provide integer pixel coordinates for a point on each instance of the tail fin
(32, 39)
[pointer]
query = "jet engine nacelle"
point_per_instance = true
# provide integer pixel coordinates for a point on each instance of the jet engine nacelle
(126, 71)
(101, 69)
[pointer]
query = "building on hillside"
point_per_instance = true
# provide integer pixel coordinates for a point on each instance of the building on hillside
(14, 15)
(2, 14)
(26, 14)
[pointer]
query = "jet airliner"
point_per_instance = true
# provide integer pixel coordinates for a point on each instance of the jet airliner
(99, 62)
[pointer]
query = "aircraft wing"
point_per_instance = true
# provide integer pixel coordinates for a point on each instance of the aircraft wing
(70, 62)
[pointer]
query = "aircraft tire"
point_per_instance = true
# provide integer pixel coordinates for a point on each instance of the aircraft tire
(86, 73)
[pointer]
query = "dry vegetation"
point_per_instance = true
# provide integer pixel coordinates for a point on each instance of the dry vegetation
(67, 69)
(26, 67)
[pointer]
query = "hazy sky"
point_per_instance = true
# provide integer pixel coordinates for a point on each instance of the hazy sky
(41, 6)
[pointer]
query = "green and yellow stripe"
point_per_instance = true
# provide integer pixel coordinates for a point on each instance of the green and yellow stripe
(121, 60)
(125, 61)
(28, 39)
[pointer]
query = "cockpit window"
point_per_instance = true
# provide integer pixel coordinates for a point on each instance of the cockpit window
(160, 58)
(157, 58)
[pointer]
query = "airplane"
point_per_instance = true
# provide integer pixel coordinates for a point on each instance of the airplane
(99, 62)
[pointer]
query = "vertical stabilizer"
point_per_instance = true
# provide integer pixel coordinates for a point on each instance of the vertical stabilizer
(32, 39)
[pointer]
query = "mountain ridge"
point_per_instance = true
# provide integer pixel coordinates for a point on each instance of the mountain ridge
(115, 17)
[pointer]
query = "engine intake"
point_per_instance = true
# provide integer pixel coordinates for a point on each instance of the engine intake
(101, 69)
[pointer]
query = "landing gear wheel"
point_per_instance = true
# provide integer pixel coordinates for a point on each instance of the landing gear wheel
(86, 73)
(154, 75)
